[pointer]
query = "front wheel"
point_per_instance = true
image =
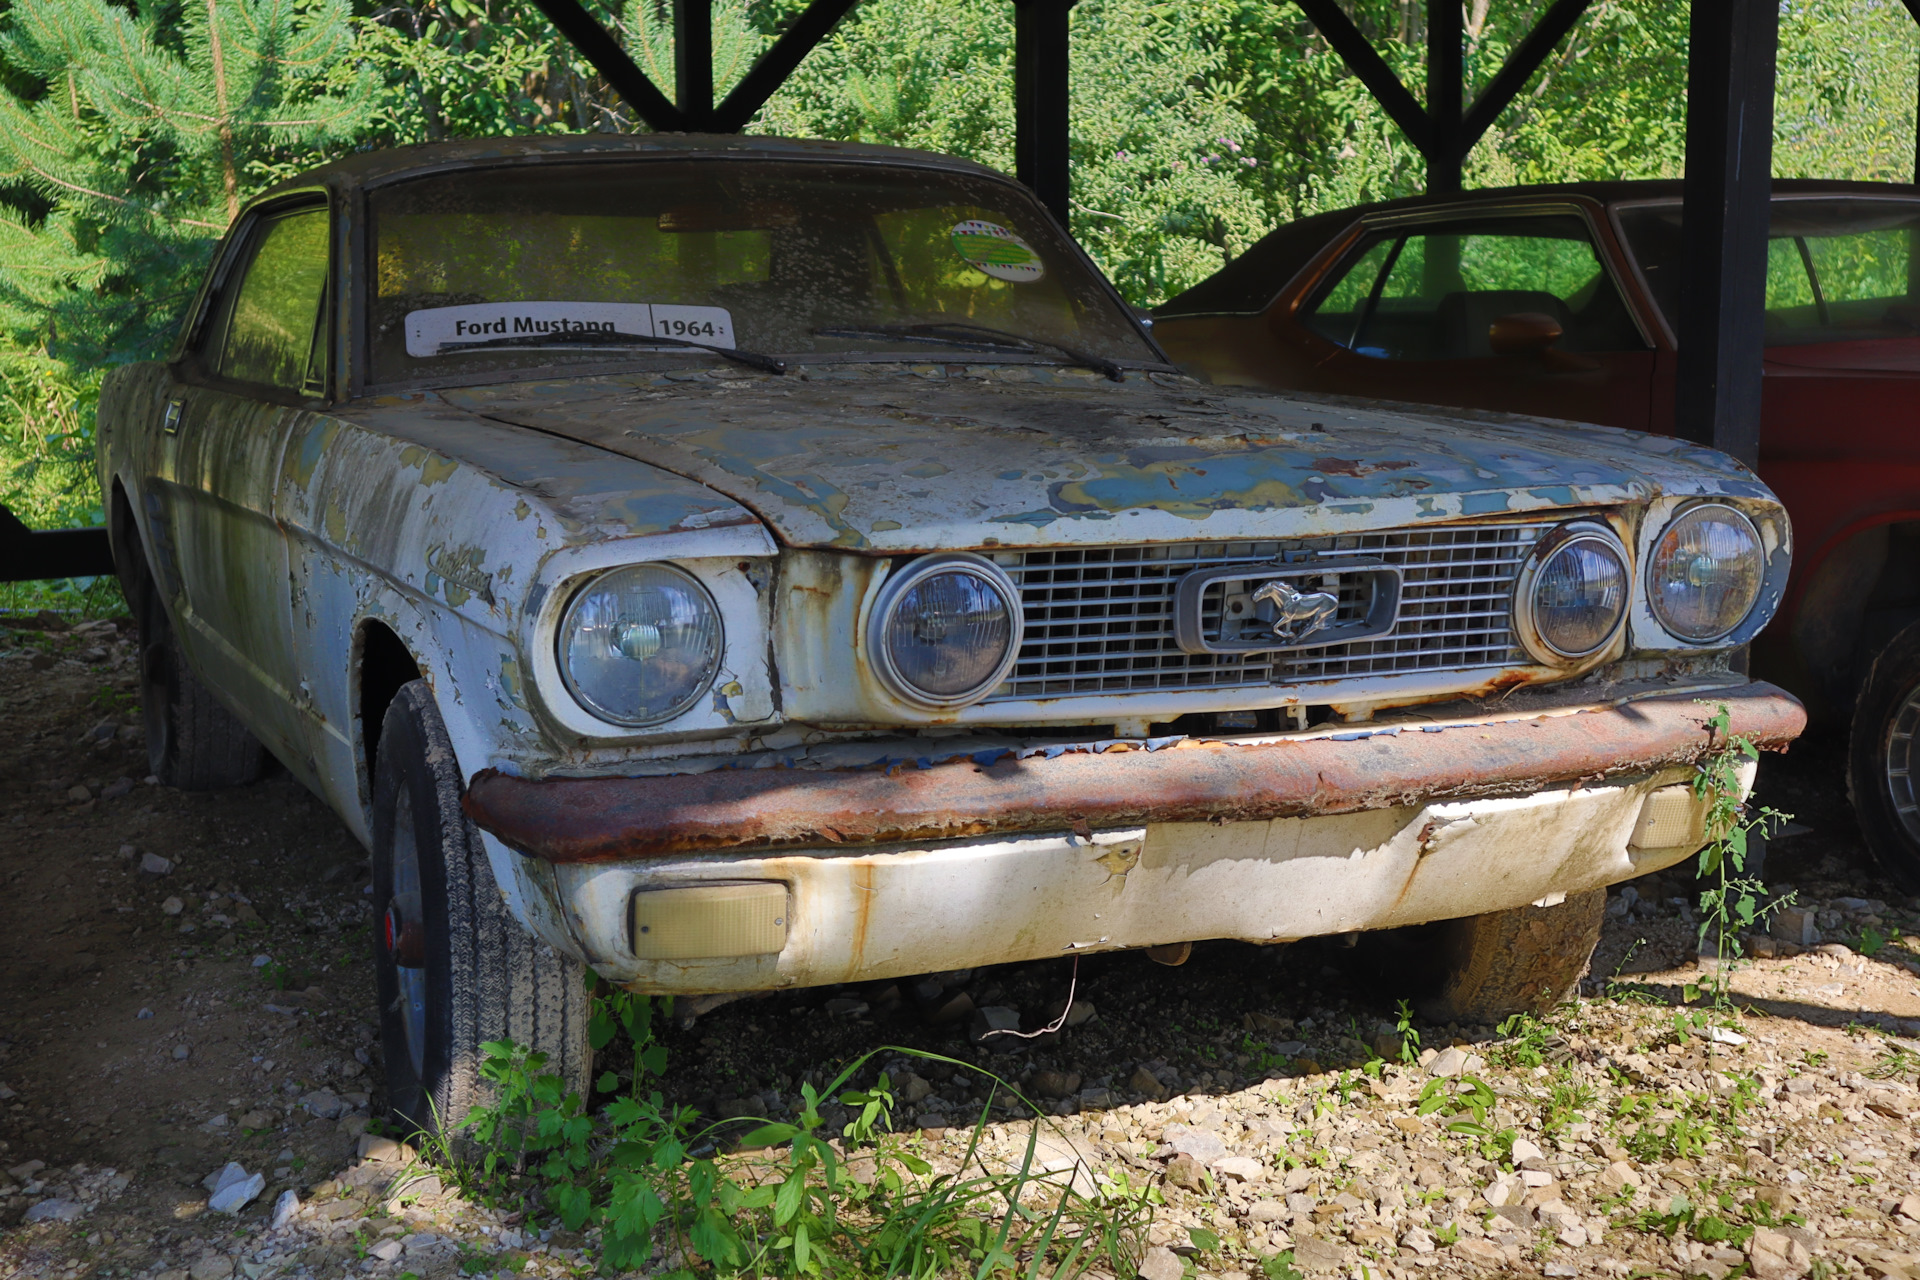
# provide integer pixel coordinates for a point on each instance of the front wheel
(1526, 960)
(454, 968)
(1882, 758)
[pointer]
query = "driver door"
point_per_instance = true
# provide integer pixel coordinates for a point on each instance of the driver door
(1421, 313)
(230, 410)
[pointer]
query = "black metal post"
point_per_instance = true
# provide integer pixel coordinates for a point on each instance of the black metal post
(1040, 100)
(693, 63)
(26, 555)
(1548, 31)
(598, 47)
(1446, 79)
(766, 76)
(1731, 51)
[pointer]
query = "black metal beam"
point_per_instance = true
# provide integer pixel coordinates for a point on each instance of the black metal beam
(766, 76)
(610, 60)
(1041, 97)
(1732, 46)
(1446, 92)
(693, 63)
(1519, 67)
(27, 556)
(1338, 31)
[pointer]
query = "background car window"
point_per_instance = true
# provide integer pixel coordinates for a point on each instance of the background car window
(1838, 270)
(1433, 293)
(273, 334)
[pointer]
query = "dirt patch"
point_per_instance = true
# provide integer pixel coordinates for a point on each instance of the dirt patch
(216, 1007)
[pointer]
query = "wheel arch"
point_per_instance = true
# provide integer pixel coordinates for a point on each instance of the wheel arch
(382, 664)
(1860, 587)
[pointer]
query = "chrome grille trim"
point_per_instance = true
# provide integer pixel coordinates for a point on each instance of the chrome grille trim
(1099, 620)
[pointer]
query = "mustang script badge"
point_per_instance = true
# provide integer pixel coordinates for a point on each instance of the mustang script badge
(1301, 613)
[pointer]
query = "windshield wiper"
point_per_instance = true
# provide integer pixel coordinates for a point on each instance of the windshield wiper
(615, 338)
(965, 334)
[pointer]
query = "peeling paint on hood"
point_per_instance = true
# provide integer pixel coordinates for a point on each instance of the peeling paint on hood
(887, 457)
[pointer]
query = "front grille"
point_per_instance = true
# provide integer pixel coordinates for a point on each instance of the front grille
(1100, 619)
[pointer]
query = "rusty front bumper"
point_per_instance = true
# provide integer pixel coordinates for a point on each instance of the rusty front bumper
(574, 820)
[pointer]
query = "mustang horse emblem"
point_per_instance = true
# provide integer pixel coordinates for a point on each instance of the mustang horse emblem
(1301, 613)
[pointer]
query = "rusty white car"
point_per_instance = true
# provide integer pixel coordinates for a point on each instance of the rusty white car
(734, 564)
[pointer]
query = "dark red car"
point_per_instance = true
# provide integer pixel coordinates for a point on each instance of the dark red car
(1561, 301)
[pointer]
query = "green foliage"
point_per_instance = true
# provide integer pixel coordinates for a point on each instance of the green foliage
(795, 1210)
(1465, 1106)
(1732, 899)
(126, 144)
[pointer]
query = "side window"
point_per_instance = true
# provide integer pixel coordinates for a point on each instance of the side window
(1432, 293)
(275, 334)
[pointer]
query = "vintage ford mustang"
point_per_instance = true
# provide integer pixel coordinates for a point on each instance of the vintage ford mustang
(737, 563)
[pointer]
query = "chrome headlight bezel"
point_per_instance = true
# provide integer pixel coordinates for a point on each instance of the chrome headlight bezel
(1552, 544)
(881, 615)
(564, 630)
(1731, 515)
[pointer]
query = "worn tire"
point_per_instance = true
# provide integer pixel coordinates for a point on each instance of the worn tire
(193, 742)
(1526, 960)
(475, 974)
(1883, 768)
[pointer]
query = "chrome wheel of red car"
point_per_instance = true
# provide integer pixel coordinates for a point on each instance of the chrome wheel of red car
(1882, 759)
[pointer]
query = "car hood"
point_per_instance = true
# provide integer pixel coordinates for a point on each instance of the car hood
(889, 458)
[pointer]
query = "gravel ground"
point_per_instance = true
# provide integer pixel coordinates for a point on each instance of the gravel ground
(188, 988)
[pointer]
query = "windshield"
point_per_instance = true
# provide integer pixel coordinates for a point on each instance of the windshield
(1839, 269)
(788, 258)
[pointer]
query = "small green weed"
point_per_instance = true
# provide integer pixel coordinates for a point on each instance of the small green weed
(1279, 1266)
(789, 1206)
(1733, 900)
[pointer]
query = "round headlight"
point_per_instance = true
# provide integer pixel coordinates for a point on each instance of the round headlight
(1705, 573)
(1572, 596)
(640, 645)
(946, 630)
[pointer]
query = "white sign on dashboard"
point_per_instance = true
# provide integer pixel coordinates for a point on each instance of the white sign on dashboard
(430, 332)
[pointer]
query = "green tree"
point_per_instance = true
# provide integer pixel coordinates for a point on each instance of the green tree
(128, 140)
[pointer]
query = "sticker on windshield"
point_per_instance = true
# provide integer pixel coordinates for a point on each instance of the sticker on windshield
(997, 251)
(477, 326)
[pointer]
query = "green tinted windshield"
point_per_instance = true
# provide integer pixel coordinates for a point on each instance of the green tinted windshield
(1839, 269)
(552, 264)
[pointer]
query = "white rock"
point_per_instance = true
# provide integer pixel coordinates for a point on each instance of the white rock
(1417, 1240)
(225, 1176)
(1202, 1144)
(56, 1211)
(1503, 1192)
(1449, 1062)
(172, 906)
(386, 1250)
(1525, 1150)
(1161, 1264)
(324, 1103)
(155, 865)
(234, 1196)
(1244, 1168)
(284, 1208)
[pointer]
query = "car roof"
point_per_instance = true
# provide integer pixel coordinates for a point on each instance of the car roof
(374, 168)
(1249, 282)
